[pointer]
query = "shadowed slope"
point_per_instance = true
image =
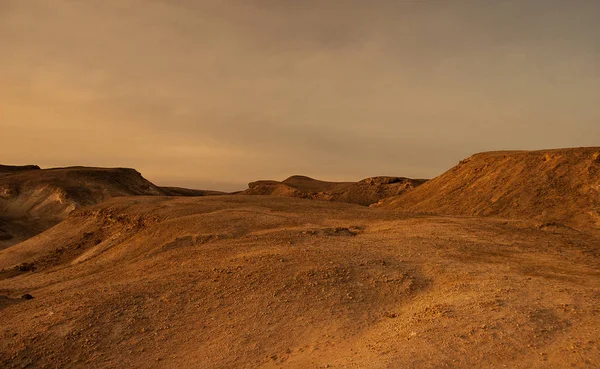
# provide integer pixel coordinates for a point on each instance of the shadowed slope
(365, 192)
(33, 200)
(561, 186)
(17, 168)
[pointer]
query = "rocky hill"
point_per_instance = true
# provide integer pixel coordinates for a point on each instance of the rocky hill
(554, 187)
(365, 192)
(33, 199)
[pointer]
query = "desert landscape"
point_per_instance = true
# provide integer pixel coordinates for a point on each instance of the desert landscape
(304, 184)
(495, 263)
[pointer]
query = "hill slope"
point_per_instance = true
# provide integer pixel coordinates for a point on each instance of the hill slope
(560, 186)
(365, 192)
(33, 199)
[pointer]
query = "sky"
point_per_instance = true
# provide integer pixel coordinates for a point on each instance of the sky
(217, 93)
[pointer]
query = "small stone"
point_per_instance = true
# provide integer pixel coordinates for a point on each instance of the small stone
(27, 297)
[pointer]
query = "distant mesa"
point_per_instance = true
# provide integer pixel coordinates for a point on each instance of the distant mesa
(186, 192)
(550, 186)
(364, 192)
(17, 168)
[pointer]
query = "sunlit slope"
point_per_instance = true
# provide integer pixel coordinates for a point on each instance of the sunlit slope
(552, 186)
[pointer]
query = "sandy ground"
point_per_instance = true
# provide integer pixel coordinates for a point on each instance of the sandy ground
(256, 281)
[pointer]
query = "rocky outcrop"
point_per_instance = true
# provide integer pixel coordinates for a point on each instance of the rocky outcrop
(364, 192)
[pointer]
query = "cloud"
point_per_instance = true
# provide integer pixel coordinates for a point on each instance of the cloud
(227, 92)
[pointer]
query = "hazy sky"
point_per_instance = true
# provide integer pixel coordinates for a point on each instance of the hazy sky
(216, 93)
